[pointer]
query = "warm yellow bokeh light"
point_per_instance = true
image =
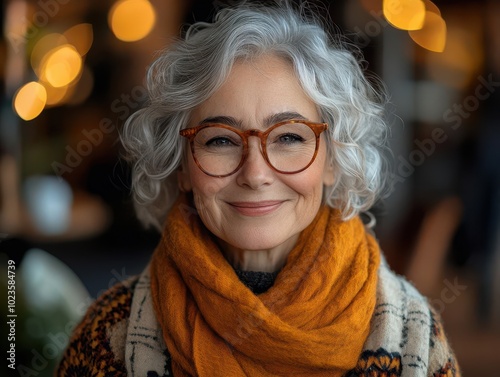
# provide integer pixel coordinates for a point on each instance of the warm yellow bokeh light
(43, 46)
(432, 36)
(460, 61)
(431, 7)
(131, 20)
(82, 89)
(61, 66)
(55, 96)
(81, 36)
(405, 14)
(30, 100)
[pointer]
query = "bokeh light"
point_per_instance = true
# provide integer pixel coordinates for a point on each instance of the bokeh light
(405, 14)
(132, 20)
(460, 60)
(55, 96)
(81, 90)
(432, 36)
(48, 200)
(431, 7)
(43, 45)
(61, 66)
(81, 37)
(30, 100)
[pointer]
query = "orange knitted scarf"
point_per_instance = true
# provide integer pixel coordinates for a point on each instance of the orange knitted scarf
(313, 321)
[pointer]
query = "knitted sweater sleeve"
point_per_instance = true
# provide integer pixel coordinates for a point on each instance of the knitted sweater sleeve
(96, 347)
(442, 361)
(406, 337)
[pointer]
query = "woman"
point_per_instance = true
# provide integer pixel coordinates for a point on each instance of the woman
(267, 136)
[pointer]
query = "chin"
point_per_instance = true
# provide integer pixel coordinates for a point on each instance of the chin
(255, 240)
(252, 245)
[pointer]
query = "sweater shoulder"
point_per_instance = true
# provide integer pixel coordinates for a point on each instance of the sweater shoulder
(407, 336)
(97, 343)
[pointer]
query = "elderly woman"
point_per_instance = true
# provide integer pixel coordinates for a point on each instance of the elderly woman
(256, 153)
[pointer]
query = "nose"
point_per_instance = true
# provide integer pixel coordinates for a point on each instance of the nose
(255, 172)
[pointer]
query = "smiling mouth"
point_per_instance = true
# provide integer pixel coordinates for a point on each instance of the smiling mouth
(256, 208)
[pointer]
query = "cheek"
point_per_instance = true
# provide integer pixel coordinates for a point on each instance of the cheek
(205, 188)
(202, 185)
(205, 201)
(308, 185)
(206, 193)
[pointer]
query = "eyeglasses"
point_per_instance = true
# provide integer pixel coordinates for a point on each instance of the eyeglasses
(288, 147)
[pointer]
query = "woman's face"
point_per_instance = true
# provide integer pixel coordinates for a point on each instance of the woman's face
(257, 208)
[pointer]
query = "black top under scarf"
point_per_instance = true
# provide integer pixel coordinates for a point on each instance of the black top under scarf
(257, 281)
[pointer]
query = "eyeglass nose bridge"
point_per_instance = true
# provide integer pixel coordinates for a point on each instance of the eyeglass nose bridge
(254, 132)
(262, 146)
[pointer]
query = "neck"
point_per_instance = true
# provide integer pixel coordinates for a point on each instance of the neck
(269, 260)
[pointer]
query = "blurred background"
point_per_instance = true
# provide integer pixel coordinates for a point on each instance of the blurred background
(73, 71)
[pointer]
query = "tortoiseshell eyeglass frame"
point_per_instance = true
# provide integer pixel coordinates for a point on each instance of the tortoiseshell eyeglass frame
(190, 134)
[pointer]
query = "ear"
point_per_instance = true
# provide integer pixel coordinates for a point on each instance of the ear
(328, 174)
(183, 178)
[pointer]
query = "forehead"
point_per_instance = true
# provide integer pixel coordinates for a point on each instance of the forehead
(255, 90)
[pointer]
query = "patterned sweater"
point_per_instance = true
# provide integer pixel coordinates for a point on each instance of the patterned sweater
(120, 336)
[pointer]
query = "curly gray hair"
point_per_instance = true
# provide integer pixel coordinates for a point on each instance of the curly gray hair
(193, 68)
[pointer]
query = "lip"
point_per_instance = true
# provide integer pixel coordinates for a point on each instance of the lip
(256, 208)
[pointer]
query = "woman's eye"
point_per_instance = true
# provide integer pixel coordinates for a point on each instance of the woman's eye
(289, 138)
(219, 142)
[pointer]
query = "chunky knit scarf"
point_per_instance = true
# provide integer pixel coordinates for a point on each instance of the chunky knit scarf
(314, 320)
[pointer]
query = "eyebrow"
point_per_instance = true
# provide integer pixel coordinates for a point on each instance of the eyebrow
(268, 121)
(227, 120)
(281, 117)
